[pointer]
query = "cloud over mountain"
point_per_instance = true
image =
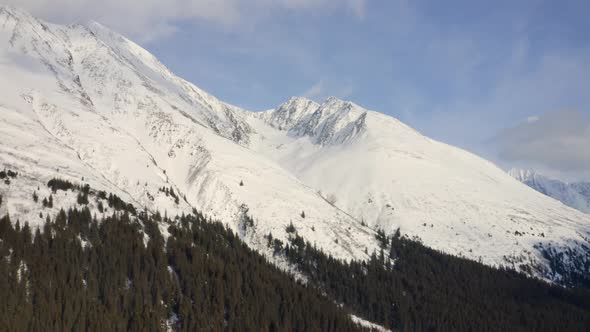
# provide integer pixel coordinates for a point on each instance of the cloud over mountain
(557, 140)
(152, 19)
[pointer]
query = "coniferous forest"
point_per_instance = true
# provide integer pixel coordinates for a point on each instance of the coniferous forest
(82, 274)
(410, 287)
(120, 273)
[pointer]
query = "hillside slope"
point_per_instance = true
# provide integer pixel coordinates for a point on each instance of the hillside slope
(85, 104)
(388, 175)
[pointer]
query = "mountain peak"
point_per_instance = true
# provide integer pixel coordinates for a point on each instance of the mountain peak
(333, 99)
(334, 105)
(298, 99)
(10, 9)
(94, 25)
(16, 12)
(105, 34)
(337, 102)
(301, 103)
(289, 113)
(333, 121)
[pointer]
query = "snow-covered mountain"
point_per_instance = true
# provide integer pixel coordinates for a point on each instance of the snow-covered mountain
(388, 175)
(85, 104)
(82, 102)
(575, 195)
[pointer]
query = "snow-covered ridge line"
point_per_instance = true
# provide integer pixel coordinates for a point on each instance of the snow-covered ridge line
(334, 121)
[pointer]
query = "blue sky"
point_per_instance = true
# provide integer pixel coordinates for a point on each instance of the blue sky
(469, 73)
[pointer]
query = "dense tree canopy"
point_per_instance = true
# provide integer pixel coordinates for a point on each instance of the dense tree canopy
(408, 286)
(118, 274)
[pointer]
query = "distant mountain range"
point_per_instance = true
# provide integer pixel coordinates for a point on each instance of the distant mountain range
(575, 194)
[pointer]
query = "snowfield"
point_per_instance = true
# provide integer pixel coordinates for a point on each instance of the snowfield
(85, 104)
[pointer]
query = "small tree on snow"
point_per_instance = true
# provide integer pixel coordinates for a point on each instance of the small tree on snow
(290, 228)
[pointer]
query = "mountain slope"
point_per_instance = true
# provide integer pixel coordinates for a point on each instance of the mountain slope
(390, 176)
(575, 195)
(81, 102)
(85, 104)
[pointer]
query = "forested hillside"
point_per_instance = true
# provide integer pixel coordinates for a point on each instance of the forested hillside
(135, 271)
(116, 274)
(410, 287)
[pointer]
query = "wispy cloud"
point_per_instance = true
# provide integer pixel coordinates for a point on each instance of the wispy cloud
(323, 89)
(476, 85)
(558, 141)
(358, 7)
(145, 20)
(149, 20)
(315, 91)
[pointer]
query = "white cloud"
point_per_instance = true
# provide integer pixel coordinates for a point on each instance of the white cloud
(145, 19)
(558, 141)
(357, 7)
(521, 88)
(323, 89)
(151, 19)
(315, 91)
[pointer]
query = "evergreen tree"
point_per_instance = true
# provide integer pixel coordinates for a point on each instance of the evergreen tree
(82, 198)
(290, 228)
